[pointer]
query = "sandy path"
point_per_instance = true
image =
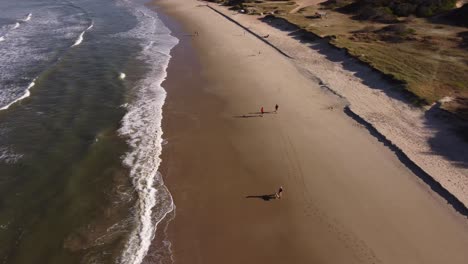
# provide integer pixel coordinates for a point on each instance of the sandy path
(347, 199)
(305, 3)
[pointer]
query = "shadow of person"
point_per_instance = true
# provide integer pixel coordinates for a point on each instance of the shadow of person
(264, 112)
(265, 197)
(247, 116)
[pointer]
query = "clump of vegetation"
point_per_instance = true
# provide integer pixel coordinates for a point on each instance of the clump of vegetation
(333, 4)
(387, 11)
(394, 33)
(378, 14)
(399, 29)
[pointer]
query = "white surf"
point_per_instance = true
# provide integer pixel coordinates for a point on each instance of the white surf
(141, 126)
(27, 18)
(80, 37)
(25, 94)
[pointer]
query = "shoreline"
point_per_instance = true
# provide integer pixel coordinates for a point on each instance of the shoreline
(334, 201)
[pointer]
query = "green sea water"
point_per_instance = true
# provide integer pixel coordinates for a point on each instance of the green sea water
(65, 195)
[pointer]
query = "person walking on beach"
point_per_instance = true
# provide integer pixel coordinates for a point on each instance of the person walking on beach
(261, 110)
(279, 193)
(276, 108)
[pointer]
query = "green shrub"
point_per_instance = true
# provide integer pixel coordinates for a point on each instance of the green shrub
(402, 8)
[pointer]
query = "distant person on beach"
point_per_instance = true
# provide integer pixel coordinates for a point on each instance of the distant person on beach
(279, 193)
(276, 108)
(261, 110)
(196, 33)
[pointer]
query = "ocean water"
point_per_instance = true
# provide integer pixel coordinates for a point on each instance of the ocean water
(80, 130)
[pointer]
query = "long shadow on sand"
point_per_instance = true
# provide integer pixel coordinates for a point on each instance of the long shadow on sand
(254, 114)
(267, 112)
(445, 126)
(247, 116)
(418, 171)
(265, 197)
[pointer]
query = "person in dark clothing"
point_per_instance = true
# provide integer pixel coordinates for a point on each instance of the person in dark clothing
(276, 108)
(279, 193)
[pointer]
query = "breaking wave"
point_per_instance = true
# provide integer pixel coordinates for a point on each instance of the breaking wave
(141, 126)
(80, 37)
(27, 18)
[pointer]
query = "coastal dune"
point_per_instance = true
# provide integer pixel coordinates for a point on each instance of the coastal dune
(347, 197)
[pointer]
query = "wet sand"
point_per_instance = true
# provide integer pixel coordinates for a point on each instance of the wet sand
(347, 198)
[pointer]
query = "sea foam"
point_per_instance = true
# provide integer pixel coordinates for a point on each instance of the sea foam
(141, 126)
(80, 37)
(26, 93)
(27, 18)
(8, 156)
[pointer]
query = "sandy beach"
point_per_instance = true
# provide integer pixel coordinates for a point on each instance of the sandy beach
(347, 197)
(427, 136)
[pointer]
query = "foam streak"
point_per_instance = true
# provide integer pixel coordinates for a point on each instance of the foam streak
(80, 37)
(25, 94)
(27, 18)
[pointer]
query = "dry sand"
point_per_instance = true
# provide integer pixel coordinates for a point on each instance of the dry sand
(347, 198)
(428, 140)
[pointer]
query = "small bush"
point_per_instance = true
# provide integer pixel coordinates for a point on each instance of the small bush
(368, 29)
(332, 4)
(399, 29)
(404, 9)
(375, 9)
(380, 14)
(424, 11)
